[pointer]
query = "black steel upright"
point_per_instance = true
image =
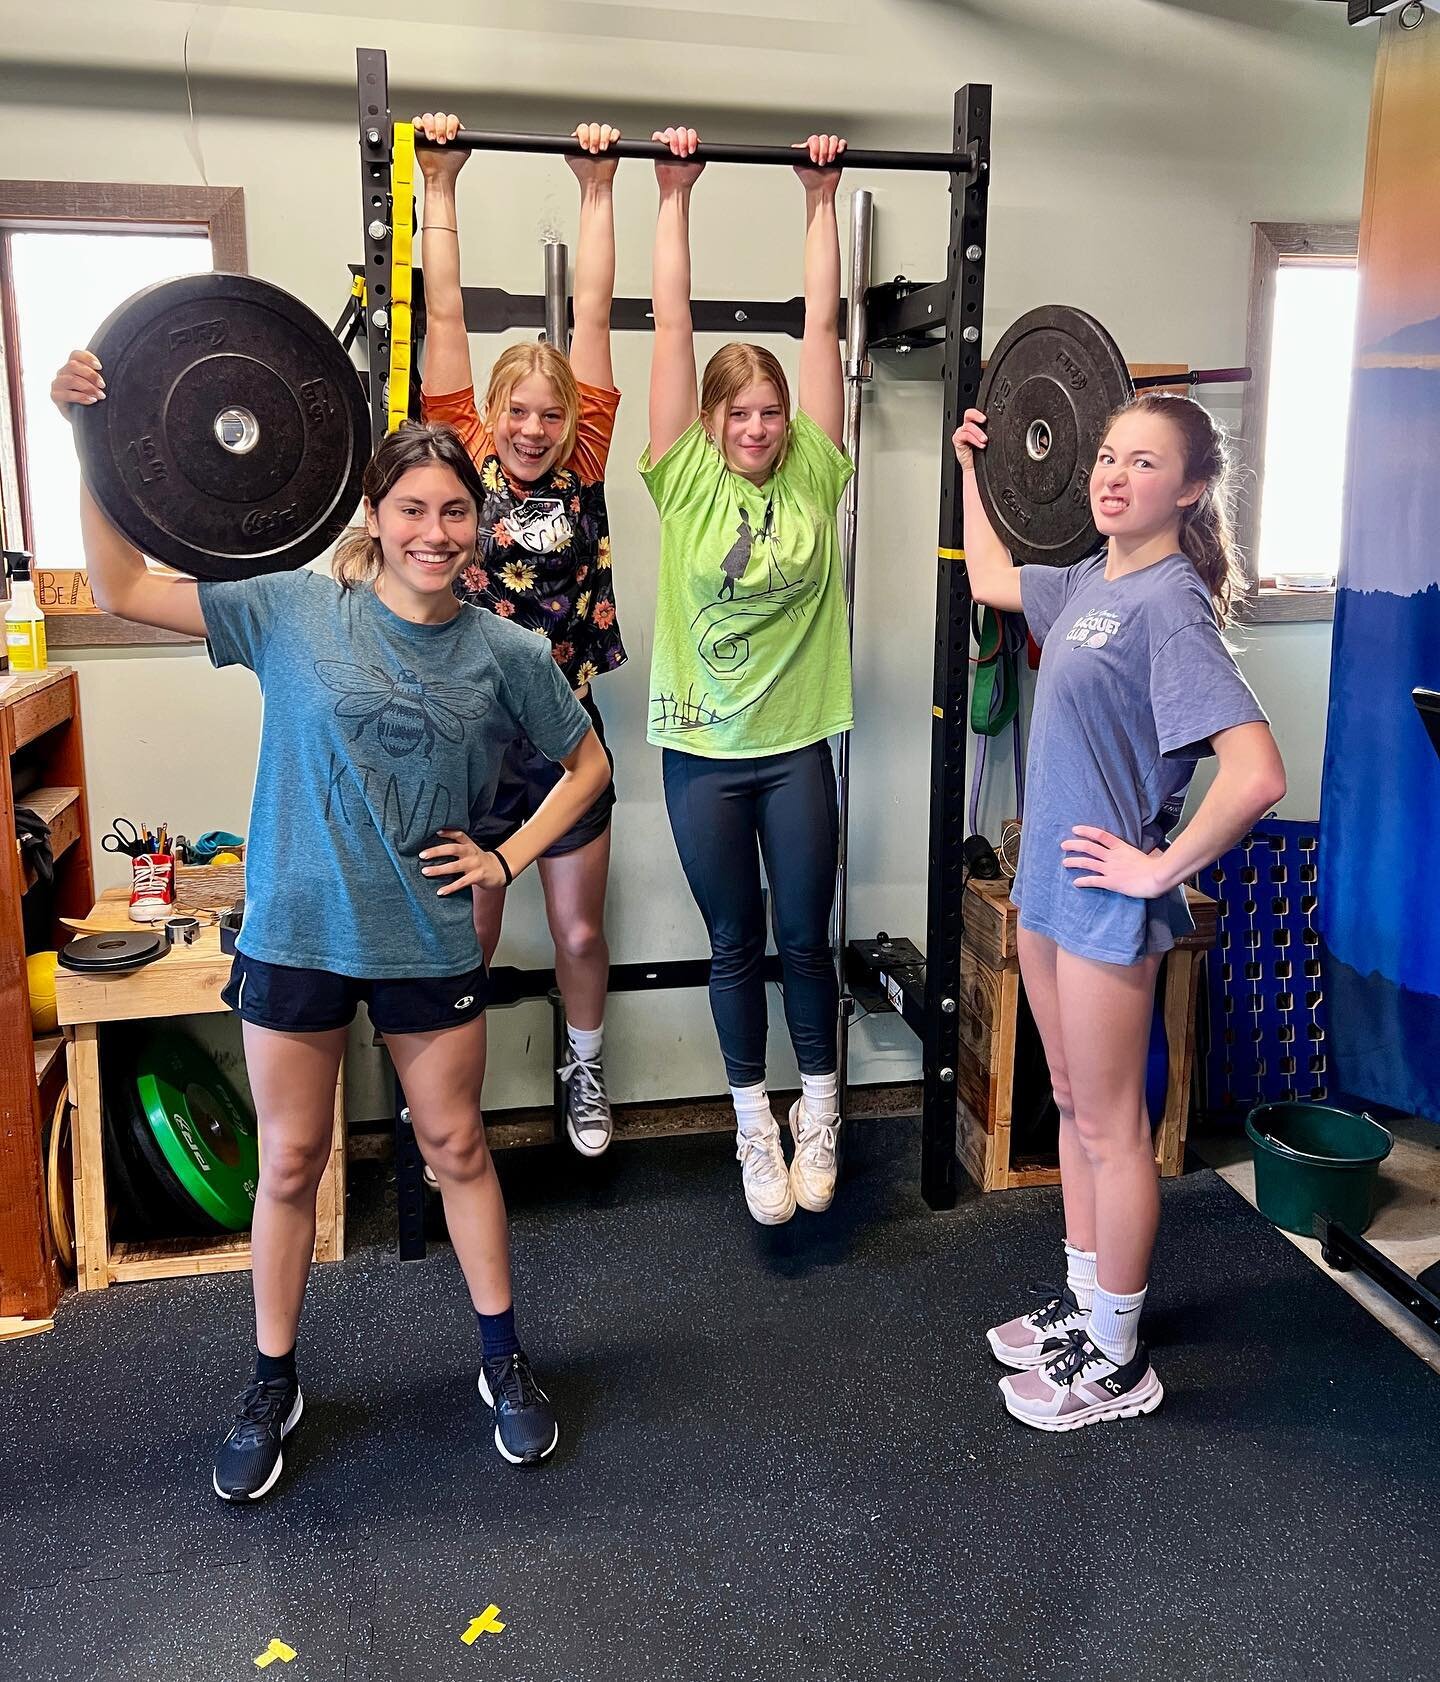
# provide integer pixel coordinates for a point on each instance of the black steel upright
(950, 706)
(372, 79)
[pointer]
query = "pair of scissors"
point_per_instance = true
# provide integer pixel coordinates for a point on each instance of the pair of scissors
(123, 837)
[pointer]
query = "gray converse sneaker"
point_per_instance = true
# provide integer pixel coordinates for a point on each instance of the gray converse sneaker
(587, 1106)
(813, 1169)
(764, 1174)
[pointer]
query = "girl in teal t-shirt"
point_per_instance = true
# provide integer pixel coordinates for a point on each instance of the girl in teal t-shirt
(389, 705)
(751, 669)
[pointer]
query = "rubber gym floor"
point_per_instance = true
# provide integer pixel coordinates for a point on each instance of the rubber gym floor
(782, 1456)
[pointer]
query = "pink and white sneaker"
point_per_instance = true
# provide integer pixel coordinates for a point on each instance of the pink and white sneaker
(1038, 1337)
(1082, 1386)
(152, 887)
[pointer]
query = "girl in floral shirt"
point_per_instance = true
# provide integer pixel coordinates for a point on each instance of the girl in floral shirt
(540, 440)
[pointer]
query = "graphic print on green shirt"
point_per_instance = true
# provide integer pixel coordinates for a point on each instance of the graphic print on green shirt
(752, 648)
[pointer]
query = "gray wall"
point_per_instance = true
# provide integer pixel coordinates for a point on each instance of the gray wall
(1134, 143)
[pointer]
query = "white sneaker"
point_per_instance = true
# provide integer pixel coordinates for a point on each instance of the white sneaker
(812, 1173)
(764, 1174)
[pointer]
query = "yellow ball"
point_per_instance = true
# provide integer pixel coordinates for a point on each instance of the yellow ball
(226, 858)
(40, 970)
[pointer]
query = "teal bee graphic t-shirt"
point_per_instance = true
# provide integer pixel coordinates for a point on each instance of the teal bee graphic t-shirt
(376, 734)
(752, 649)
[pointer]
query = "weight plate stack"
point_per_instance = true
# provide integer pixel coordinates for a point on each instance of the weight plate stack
(182, 1149)
(205, 1137)
(112, 954)
(1048, 388)
(234, 431)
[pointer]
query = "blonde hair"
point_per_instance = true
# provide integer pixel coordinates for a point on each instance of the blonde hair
(729, 372)
(1207, 527)
(358, 559)
(517, 364)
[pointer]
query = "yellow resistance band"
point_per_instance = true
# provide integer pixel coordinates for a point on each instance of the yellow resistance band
(402, 201)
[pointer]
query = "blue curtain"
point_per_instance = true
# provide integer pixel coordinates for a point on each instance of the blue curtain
(1380, 807)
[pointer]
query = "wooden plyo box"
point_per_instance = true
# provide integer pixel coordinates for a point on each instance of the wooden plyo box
(989, 1018)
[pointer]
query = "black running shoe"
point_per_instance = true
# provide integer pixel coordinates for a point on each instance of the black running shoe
(249, 1460)
(525, 1427)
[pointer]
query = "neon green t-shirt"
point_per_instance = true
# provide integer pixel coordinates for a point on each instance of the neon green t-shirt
(752, 649)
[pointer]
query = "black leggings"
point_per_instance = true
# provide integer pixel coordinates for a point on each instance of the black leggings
(719, 809)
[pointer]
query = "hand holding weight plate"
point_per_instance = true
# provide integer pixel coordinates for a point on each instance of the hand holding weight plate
(234, 431)
(1048, 389)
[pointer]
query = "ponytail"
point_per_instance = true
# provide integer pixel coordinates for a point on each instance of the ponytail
(1207, 529)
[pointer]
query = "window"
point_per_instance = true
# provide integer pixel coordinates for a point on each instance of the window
(68, 256)
(1303, 291)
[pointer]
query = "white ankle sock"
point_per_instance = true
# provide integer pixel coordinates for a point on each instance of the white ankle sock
(1080, 1274)
(752, 1108)
(821, 1094)
(586, 1042)
(1115, 1324)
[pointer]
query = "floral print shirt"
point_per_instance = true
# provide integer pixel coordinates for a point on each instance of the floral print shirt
(544, 556)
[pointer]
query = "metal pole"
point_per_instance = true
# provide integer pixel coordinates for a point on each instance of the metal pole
(566, 145)
(857, 375)
(1197, 376)
(376, 135)
(557, 295)
(950, 696)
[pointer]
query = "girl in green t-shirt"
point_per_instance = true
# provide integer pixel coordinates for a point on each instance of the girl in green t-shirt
(751, 669)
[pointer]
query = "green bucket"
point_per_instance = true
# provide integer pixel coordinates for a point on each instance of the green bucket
(1312, 1159)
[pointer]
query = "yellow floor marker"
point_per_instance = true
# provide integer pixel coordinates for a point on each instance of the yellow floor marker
(488, 1623)
(276, 1650)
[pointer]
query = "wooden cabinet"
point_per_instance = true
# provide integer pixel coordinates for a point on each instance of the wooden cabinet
(41, 738)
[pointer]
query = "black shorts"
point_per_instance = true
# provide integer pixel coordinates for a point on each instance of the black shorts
(312, 1001)
(526, 777)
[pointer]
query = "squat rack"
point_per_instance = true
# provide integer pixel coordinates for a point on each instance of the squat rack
(387, 302)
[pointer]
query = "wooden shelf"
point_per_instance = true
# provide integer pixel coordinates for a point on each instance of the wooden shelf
(60, 808)
(37, 703)
(47, 1050)
(178, 1258)
(39, 713)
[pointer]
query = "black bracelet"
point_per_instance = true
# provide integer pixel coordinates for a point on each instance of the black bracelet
(497, 854)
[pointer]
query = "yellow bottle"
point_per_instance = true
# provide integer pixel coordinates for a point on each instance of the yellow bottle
(24, 622)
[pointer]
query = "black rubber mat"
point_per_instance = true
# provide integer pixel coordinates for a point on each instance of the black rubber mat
(782, 1456)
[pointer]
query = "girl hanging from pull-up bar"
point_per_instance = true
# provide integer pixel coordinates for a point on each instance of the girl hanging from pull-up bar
(540, 440)
(751, 671)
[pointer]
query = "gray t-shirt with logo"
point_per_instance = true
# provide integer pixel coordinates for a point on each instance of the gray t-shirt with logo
(1134, 680)
(376, 733)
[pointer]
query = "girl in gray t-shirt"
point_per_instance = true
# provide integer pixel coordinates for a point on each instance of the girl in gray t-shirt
(1135, 685)
(389, 705)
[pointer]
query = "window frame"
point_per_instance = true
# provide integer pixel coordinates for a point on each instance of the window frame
(1273, 244)
(88, 205)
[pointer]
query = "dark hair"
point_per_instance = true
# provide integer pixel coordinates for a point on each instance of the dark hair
(357, 558)
(1207, 533)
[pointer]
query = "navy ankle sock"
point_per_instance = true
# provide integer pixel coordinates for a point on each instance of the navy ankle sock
(497, 1334)
(269, 1367)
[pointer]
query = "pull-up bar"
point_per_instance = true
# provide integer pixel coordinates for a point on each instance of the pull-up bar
(566, 145)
